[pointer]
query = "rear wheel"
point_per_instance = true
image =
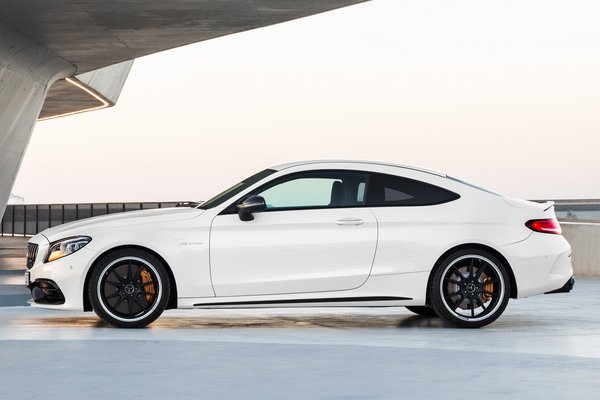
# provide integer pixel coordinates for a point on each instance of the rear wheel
(422, 310)
(129, 288)
(470, 288)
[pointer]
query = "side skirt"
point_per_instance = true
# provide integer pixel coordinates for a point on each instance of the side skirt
(287, 302)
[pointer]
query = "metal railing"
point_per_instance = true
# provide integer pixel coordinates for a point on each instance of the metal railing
(29, 219)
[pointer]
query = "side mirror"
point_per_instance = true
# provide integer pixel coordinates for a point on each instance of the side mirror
(251, 205)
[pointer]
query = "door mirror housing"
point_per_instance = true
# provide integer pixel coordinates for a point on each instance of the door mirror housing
(251, 205)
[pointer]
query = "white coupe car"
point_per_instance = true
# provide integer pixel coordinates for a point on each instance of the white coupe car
(334, 233)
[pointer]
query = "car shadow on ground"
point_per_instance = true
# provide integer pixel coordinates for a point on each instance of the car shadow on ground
(331, 321)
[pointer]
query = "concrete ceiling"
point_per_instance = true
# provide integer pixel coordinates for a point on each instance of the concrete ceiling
(64, 98)
(95, 33)
(92, 34)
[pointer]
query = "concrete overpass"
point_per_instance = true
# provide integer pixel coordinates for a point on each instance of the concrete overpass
(62, 57)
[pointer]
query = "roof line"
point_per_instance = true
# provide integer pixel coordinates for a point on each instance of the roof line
(298, 163)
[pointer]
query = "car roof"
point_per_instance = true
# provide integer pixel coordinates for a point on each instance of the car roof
(300, 163)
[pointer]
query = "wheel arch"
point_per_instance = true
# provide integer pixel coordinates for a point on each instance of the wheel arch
(172, 303)
(496, 253)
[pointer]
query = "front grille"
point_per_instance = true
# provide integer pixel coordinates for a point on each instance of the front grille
(32, 250)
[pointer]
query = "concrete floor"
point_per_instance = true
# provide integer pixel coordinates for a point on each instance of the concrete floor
(13, 251)
(543, 347)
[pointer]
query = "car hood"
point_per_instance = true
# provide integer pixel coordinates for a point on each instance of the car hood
(89, 225)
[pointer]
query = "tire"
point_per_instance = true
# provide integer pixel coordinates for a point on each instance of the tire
(129, 288)
(470, 288)
(422, 310)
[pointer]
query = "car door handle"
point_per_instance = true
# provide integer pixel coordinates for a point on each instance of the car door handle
(350, 221)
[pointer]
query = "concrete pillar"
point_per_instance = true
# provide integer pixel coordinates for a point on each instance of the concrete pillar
(27, 70)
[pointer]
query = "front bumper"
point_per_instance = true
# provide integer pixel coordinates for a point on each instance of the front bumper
(59, 284)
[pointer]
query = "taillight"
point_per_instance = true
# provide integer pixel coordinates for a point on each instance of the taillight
(550, 225)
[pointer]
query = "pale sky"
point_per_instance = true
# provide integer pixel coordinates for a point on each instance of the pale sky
(505, 94)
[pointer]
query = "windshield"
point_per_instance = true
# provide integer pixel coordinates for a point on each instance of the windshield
(235, 189)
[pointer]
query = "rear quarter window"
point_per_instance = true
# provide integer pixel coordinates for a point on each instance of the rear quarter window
(393, 191)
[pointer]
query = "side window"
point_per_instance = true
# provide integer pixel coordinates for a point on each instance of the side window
(388, 190)
(318, 189)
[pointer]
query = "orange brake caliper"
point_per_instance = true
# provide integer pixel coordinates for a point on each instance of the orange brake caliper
(488, 288)
(149, 289)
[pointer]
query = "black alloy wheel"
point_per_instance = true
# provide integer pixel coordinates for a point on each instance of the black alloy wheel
(129, 288)
(470, 288)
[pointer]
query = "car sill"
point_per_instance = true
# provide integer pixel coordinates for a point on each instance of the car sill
(274, 303)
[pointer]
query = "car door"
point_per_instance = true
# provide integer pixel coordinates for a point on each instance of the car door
(315, 235)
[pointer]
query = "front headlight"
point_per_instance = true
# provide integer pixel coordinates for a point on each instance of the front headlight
(64, 247)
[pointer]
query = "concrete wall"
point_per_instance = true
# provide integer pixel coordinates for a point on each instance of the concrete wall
(26, 72)
(585, 241)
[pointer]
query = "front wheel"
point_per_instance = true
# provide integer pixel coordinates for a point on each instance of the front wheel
(129, 288)
(470, 288)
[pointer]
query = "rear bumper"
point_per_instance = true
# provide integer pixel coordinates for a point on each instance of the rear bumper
(566, 288)
(541, 263)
